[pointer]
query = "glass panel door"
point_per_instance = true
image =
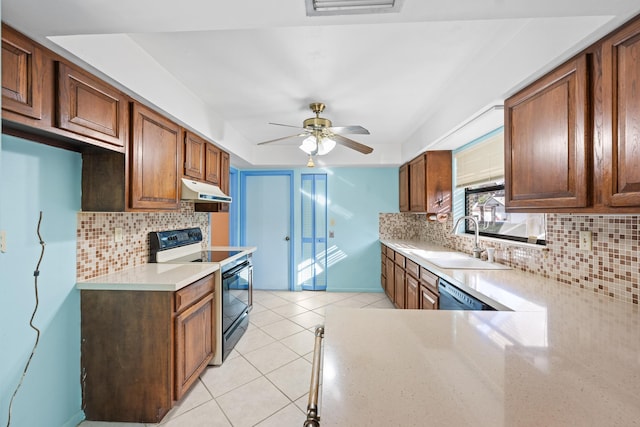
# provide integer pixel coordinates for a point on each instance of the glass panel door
(312, 273)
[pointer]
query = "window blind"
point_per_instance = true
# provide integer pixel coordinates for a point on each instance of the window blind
(480, 163)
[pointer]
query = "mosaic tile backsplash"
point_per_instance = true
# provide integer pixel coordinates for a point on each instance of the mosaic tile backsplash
(98, 254)
(611, 268)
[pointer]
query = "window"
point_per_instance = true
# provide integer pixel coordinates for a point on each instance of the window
(486, 204)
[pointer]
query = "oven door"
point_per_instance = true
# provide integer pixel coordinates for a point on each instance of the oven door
(236, 284)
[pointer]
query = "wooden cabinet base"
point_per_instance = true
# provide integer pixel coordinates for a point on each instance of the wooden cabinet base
(127, 356)
(141, 352)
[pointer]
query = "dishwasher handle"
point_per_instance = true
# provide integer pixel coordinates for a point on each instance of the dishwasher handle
(313, 418)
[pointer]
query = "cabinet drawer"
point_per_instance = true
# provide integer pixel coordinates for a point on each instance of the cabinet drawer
(192, 293)
(399, 259)
(429, 280)
(383, 249)
(412, 268)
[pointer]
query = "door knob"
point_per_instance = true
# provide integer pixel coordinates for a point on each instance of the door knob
(287, 238)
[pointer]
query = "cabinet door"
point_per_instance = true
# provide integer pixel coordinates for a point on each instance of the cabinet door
(404, 187)
(428, 300)
(399, 282)
(390, 290)
(417, 180)
(621, 121)
(22, 71)
(213, 164)
(194, 155)
(547, 141)
(155, 159)
(194, 343)
(90, 107)
(412, 296)
(438, 182)
(224, 178)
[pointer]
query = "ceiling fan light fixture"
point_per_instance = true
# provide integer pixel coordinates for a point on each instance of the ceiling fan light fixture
(325, 145)
(309, 145)
(312, 146)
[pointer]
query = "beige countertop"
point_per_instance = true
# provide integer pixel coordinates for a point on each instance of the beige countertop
(160, 276)
(564, 356)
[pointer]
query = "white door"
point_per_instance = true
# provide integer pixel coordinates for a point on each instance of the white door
(267, 225)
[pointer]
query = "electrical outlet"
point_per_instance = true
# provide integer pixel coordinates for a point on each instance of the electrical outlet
(117, 234)
(585, 240)
(3, 241)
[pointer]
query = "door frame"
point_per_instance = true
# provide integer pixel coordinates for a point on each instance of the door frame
(243, 213)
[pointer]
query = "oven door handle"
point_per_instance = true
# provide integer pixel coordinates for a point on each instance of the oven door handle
(235, 270)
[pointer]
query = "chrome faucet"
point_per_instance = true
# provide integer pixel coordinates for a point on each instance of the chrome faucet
(477, 250)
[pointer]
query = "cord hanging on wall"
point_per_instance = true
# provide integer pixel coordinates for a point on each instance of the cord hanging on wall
(36, 273)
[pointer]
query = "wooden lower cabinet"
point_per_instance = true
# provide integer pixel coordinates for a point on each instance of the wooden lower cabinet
(428, 300)
(142, 350)
(390, 288)
(399, 278)
(411, 297)
(194, 343)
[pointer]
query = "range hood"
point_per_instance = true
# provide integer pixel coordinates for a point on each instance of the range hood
(200, 192)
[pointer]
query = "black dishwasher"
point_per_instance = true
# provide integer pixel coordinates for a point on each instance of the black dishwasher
(452, 298)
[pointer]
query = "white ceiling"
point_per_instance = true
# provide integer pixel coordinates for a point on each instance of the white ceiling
(228, 68)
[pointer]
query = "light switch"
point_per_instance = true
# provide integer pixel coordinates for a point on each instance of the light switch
(331, 234)
(117, 234)
(3, 241)
(585, 241)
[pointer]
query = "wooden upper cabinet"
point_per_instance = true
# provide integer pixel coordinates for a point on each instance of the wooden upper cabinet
(430, 182)
(417, 191)
(213, 164)
(156, 150)
(22, 75)
(621, 118)
(548, 141)
(225, 167)
(194, 159)
(89, 107)
(404, 188)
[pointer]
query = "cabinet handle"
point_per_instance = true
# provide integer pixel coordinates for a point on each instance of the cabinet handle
(313, 419)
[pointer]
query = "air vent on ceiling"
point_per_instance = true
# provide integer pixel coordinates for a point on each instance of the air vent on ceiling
(351, 7)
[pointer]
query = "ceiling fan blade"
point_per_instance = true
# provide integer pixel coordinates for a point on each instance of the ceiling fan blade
(283, 138)
(350, 143)
(349, 130)
(289, 126)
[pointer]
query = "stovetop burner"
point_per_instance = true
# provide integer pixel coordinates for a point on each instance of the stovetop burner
(207, 256)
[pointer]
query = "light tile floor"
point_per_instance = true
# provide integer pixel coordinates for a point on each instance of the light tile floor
(265, 380)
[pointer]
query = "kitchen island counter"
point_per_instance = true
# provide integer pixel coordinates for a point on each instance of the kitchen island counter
(470, 368)
(559, 356)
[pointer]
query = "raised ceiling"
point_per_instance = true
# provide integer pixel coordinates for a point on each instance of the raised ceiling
(228, 68)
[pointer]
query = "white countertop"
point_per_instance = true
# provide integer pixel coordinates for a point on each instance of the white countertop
(565, 356)
(160, 276)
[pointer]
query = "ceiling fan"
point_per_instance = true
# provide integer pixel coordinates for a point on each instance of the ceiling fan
(321, 137)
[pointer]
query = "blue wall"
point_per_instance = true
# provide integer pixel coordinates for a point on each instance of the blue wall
(34, 178)
(356, 197)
